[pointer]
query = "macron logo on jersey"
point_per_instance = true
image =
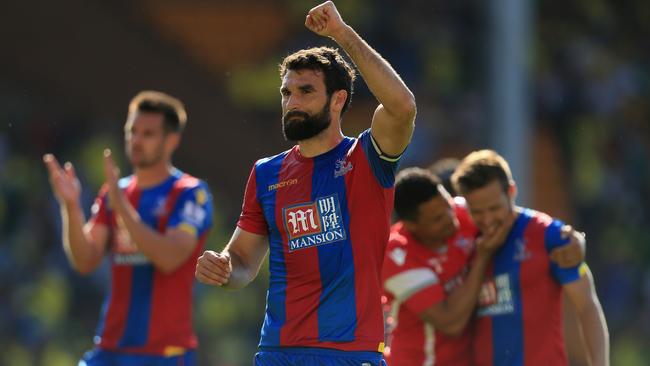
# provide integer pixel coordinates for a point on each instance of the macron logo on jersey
(314, 223)
(284, 183)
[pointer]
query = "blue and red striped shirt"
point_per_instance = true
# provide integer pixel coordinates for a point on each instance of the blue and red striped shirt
(148, 311)
(519, 318)
(328, 222)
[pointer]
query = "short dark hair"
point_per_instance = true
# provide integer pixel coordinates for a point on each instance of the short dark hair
(413, 187)
(338, 73)
(172, 109)
(479, 169)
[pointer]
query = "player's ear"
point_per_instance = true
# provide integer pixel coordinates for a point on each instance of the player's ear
(409, 225)
(172, 139)
(338, 99)
(512, 190)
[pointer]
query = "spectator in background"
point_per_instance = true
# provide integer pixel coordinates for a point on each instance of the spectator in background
(153, 224)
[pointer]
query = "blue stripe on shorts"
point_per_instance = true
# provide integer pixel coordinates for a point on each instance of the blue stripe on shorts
(309, 356)
(98, 357)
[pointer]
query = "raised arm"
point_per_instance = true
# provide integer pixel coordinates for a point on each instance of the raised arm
(393, 121)
(237, 265)
(590, 317)
(84, 244)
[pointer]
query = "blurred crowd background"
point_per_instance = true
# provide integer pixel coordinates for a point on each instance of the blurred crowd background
(68, 69)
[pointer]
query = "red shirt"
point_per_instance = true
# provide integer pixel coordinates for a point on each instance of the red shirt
(415, 278)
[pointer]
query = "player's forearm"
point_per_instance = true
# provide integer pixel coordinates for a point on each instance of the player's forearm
(594, 329)
(384, 83)
(241, 275)
(166, 252)
(246, 252)
(462, 300)
(79, 248)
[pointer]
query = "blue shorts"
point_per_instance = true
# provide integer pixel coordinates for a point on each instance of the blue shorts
(305, 356)
(98, 357)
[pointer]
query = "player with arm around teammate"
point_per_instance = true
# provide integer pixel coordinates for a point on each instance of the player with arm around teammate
(519, 316)
(322, 209)
(428, 281)
(434, 267)
(152, 225)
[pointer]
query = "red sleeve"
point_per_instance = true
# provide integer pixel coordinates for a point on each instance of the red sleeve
(252, 217)
(409, 280)
(425, 298)
(99, 212)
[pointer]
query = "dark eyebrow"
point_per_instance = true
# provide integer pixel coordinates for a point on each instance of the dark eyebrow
(307, 87)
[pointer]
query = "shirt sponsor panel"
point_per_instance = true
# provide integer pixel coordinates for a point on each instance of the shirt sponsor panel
(496, 297)
(134, 259)
(314, 223)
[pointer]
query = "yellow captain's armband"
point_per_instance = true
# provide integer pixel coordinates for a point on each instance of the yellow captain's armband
(171, 351)
(582, 270)
(201, 197)
(187, 228)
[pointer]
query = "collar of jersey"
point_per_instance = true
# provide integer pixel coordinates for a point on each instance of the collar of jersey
(335, 152)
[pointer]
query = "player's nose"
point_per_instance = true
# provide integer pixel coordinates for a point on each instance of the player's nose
(486, 222)
(136, 141)
(293, 102)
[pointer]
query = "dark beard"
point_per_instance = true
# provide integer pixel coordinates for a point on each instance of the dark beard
(306, 128)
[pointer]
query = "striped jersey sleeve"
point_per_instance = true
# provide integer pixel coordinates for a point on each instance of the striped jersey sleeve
(252, 217)
(193, 210)
(383, 166)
